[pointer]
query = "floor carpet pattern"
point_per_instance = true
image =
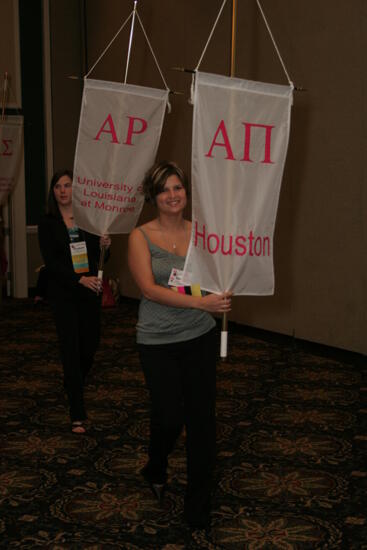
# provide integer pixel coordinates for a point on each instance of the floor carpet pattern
(291, 445)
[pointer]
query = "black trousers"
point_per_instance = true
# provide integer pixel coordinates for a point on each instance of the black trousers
(78, 328)
(181, 379)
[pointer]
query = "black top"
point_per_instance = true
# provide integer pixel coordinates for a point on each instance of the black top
(54, 243)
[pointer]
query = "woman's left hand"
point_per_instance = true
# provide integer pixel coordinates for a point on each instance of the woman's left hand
(92, 282)
(105, 241)
(216, 303)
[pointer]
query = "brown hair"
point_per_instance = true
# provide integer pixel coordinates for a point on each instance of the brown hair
(157, 176)
(52, 206)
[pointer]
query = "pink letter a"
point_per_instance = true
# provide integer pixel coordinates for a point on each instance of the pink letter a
(221, 128)
(111, 131)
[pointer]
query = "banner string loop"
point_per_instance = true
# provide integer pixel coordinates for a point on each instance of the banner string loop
(132, 14)
(211, 34)
(275, 44)
(270, 33)
(108, 46)
(154, 57)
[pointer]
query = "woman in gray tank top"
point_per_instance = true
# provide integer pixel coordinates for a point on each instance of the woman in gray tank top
(176, 342)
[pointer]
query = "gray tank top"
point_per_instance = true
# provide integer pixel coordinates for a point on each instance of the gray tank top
(161, 324)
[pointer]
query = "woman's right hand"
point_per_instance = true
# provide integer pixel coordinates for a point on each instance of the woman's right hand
(140, 264)
(217, 303)
(92, 282)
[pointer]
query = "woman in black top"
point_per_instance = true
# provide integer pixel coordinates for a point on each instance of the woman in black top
(71, 257)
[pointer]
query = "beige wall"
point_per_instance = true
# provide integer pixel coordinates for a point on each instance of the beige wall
(321, 236)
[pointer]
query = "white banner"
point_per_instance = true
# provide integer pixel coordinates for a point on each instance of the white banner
(240, 140)
(119, 132)
(11, 147)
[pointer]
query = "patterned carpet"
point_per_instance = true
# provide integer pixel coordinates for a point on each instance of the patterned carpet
(291, 468)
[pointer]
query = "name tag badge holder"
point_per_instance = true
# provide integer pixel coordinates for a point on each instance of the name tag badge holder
(79, 257)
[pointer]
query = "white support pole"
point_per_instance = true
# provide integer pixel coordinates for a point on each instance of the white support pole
(224, 338)
(224, 331)
(130, 40)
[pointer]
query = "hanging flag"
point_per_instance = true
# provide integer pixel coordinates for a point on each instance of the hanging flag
(11, 147)
(240, 140)
(119, 132)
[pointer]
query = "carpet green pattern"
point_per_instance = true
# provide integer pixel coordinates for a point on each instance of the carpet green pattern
(291, 436)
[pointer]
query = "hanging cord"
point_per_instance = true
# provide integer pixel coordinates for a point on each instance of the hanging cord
(109, 45)
(211, 34)
(151, 49)
(271, 36)
(154, 57)
(135, 11)
(191, 100)
(275, 45)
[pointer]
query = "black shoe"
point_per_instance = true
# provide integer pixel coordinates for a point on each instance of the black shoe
(157, 488)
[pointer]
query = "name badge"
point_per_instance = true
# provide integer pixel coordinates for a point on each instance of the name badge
(177, 283)
(79, 257)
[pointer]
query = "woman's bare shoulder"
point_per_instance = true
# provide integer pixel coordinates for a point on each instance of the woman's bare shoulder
(148, 225)
(150, 228)
(143, 228)
(140, 232)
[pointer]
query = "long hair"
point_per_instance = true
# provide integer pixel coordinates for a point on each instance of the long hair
(157, 176)
(52, 206)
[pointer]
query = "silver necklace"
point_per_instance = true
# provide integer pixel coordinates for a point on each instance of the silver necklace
(172, 245)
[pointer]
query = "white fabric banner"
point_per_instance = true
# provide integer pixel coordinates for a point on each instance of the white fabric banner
(240, 140)
(119, 132)
(11, 147)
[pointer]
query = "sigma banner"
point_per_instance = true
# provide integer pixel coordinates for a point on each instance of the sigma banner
(240, 139)
(119, 132)
(11, 148)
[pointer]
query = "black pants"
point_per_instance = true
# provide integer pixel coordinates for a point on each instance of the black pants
(78, 329)
(181, 379)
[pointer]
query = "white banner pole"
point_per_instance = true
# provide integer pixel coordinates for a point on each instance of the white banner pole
(101, 264)
(224, 333)
(130, 40)
(224, 337)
